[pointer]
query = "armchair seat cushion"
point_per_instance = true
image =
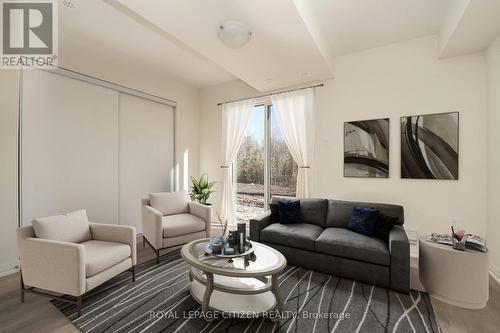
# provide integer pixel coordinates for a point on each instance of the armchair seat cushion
(344, 243)
(299, 235)
(181, 224)
(101, 255)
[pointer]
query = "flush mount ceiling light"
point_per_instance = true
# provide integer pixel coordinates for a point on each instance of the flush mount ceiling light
(234, 34)
(69, 4)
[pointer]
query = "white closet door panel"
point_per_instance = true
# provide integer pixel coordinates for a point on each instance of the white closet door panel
(69, 147)
(146, 154)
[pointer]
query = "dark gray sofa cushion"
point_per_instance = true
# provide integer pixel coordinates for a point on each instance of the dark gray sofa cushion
(344, 243)
(339, 212)
(340, 267)
(300, 235)
(313, 210)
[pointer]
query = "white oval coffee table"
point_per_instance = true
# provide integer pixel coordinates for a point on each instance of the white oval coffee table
(247, 286)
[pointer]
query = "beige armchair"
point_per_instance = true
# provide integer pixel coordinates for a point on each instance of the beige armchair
(171, 219)
(66, 254)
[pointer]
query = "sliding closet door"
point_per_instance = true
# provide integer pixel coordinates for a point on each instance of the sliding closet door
(69, 148)
(146, 158)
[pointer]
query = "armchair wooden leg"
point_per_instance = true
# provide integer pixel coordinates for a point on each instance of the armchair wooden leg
(133, 273)
(22, 286)
(79, 305)
(143, 241)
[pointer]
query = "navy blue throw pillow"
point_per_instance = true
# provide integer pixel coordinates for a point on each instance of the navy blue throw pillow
(290, 212)
(275, 213)
(363, 221)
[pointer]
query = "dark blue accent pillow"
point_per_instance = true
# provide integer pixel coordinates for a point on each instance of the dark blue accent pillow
(275, 213)
(290, 212)
(363, 221)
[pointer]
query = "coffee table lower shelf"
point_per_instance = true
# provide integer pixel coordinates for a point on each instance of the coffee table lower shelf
(235, 305)
(245, 287)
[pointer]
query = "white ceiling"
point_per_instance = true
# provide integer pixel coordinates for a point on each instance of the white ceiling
(470, 26)
(281, 52)
(293, 42)
(95, 33)
(355, 25)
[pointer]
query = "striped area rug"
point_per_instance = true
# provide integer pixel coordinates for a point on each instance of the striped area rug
(159, 301)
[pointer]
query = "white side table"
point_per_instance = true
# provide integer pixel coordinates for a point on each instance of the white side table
(456, 277)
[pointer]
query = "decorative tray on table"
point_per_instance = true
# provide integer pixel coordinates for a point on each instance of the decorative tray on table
(249, 248)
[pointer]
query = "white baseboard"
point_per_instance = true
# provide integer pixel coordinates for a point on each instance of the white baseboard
(495, 273)
(13, 271)
(9, 268)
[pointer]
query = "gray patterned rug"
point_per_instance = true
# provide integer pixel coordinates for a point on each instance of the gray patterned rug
(159, 301)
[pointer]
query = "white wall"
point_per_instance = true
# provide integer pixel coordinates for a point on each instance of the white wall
(140, 76)
(146, 154)
(134, 76)
(81, 174)
(493, 70)
(394, 81)
(391, 81)
(9, 101)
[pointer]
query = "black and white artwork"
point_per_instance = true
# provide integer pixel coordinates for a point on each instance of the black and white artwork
(429, 146)
(366, 148)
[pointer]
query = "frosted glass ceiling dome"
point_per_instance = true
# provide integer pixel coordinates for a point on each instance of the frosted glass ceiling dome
(234, 34)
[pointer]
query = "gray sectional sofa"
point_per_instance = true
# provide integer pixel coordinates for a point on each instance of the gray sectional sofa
(323, 243)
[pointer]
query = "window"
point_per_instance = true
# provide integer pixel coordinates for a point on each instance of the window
(283, 169)
(250, 169)
(264, 166)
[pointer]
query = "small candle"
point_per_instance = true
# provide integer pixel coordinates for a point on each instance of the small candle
(216, 248)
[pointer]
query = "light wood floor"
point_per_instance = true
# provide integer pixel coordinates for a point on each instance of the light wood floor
(38, 315)
(454, 319)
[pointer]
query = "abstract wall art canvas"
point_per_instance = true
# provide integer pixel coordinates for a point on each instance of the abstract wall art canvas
(429, 146)
(366, 148)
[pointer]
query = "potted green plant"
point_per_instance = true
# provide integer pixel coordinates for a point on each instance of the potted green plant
(201, 189)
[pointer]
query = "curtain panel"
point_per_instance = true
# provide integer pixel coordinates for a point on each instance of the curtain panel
(295, 114)
(235, 116)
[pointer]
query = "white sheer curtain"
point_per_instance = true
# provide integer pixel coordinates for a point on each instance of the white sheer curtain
(235, 116)
(295, 114)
